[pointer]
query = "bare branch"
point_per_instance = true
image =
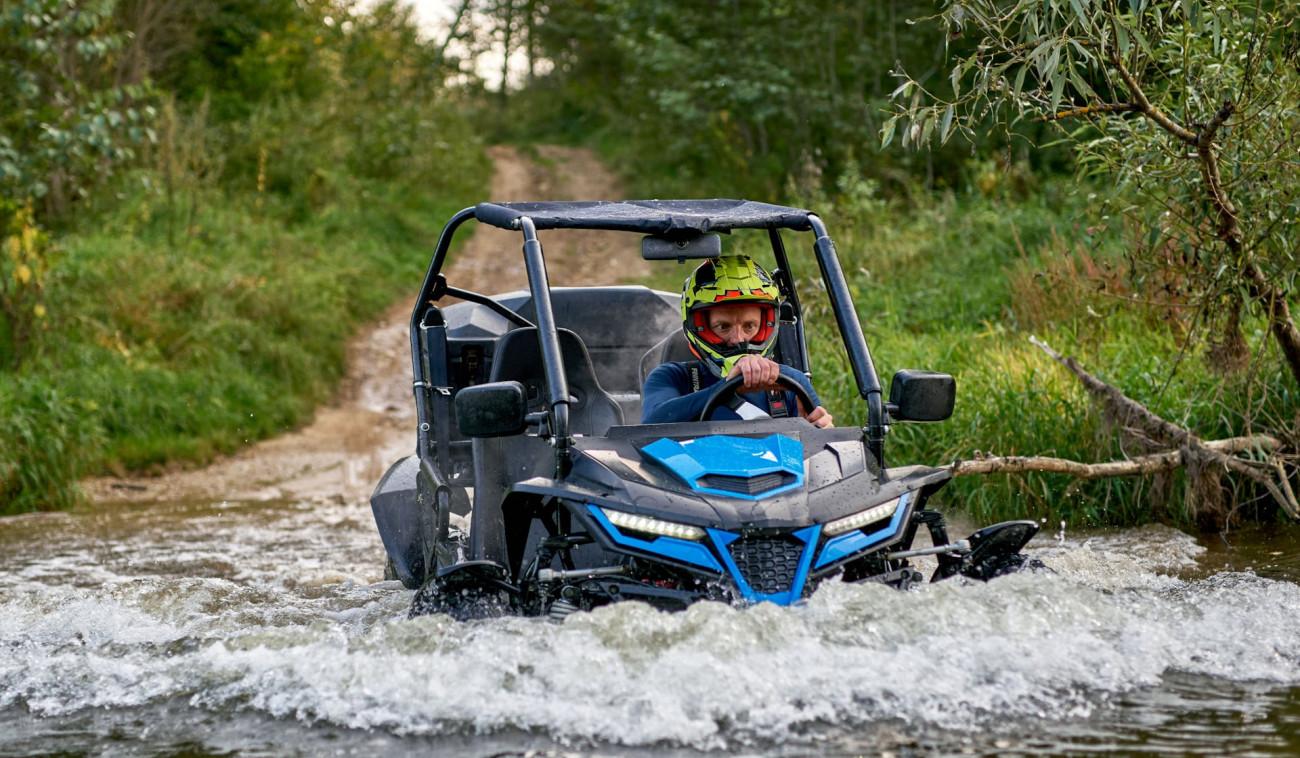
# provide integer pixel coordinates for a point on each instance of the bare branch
(1090, 110)
(1140, 466)
(1220, 116)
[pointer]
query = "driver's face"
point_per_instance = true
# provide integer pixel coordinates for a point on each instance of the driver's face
(736, 324)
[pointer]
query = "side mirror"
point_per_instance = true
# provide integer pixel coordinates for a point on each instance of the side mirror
(921, 396)
(496, 409)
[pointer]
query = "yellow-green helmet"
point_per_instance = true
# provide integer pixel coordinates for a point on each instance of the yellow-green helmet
(733, 280)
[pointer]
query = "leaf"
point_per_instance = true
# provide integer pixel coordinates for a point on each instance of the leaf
(945, 126)
(1052, 62)
(1078, 11)
(887, 132)
(1121, 36)
(1153, 236)
(1081, 85)
(23, 274)
(1058, 89)
(1142, 42)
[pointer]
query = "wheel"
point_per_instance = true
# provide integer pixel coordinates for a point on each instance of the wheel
(468, 591)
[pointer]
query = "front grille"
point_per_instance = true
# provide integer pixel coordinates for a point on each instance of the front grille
(768, 564)
(746, 485)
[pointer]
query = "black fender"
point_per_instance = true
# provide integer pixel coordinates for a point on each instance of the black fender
(412, 508)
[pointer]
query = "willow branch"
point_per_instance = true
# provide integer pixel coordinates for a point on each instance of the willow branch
(1029, 46)
(1146, 108)
(1089, 110)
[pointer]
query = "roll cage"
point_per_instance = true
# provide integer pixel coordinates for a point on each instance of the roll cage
(673, 220)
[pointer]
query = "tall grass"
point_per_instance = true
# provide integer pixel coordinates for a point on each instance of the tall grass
(209, 303)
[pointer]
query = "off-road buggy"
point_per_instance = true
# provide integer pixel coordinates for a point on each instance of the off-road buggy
(533, 488)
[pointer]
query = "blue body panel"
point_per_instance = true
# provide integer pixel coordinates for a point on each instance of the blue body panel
(745, 457)
(731, 456)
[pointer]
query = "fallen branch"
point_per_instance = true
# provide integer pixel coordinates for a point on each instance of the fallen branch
(1192, 451)
(1140, 466)
(1204, 460)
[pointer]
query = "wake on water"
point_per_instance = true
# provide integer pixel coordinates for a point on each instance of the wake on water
(277, 617)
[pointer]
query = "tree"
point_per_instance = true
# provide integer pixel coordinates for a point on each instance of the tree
(1190, 107)
(67, 122)
(1191, 110)
(738, 94)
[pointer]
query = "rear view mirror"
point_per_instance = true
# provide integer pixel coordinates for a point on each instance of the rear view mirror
(679, 248)
(921, 396)
(491, 410)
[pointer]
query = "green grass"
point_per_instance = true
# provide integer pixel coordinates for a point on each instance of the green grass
(182, 330)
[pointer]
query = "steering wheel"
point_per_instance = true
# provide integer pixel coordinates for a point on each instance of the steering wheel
(725, 393)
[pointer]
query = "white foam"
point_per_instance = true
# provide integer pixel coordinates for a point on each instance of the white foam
(1120, 613)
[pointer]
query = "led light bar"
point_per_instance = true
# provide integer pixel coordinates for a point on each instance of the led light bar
(861, 518)
(648, 525)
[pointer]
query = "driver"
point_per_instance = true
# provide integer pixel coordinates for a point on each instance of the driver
(729, 315)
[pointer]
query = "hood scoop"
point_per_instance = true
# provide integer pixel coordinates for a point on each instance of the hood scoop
(741, 467)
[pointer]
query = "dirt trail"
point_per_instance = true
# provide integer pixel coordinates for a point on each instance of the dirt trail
(351, 443)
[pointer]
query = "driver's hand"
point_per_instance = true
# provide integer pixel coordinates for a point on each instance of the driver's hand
(819, 417)
(760, 373)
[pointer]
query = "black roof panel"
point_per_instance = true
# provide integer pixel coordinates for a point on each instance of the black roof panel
(647, 216)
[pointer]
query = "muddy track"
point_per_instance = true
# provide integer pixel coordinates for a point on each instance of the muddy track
(344, 451)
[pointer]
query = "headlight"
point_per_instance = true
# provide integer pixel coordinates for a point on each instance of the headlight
(861, 518)
(647, 525)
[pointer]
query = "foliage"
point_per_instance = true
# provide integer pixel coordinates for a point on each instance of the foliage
(205, 298)
(726, 98)
(24, 266)
(46, 431)
(958, 284)
(1189, 107)
(68, 120)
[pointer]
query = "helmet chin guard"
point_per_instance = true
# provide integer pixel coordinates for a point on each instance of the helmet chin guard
(730, 281)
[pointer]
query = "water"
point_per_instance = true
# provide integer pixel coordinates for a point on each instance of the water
(210, 629)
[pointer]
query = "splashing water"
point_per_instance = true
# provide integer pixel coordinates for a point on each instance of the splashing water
(264, 628)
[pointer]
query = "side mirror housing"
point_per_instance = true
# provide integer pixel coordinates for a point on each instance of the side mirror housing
(921, 396)
(496, 409)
